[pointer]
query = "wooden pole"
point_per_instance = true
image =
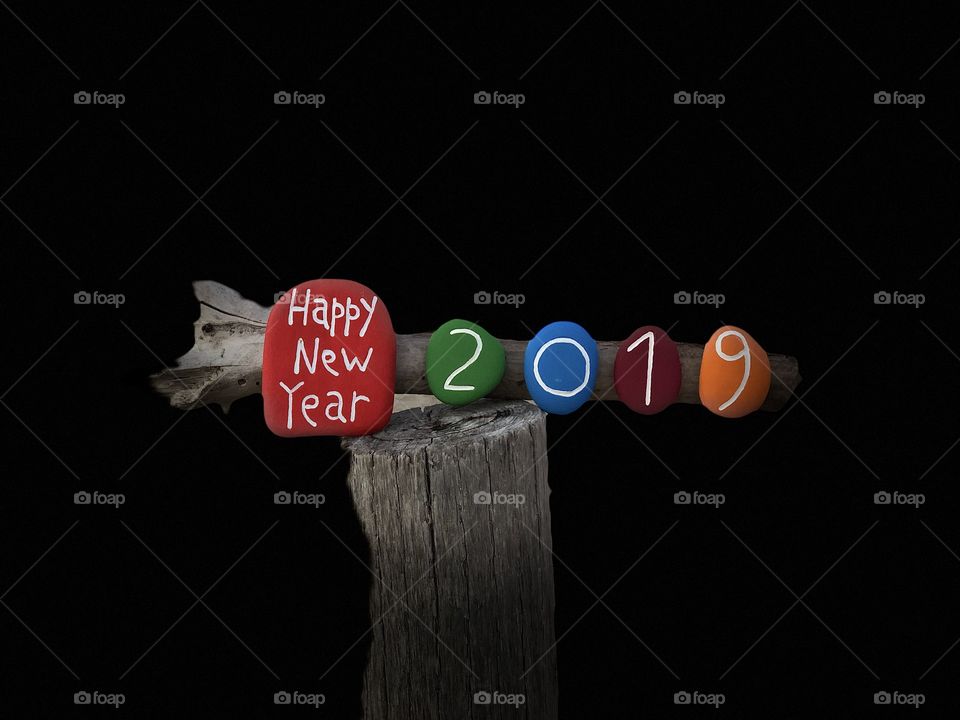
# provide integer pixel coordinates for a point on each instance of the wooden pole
(454, 503)
(225, 363)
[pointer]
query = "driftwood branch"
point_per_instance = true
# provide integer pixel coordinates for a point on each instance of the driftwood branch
(224, 364)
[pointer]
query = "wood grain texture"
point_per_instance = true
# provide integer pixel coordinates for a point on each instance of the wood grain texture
(224, 363)
(462, 601)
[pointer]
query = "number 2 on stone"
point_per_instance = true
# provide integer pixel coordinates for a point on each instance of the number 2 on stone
(480, 374)
(448, 383)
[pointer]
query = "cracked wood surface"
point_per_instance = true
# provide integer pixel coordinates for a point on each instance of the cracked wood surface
(462, 598)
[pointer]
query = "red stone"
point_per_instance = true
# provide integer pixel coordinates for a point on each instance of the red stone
(335, 337)
(630, 371)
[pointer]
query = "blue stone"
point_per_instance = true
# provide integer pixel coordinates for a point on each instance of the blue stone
(564, 356)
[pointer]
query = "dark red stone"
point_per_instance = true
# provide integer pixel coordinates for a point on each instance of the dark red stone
(630, 371)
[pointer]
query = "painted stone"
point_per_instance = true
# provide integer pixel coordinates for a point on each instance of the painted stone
(560, 367)
(329, 361)
(734, 373)
(646, 371)
(464, 362)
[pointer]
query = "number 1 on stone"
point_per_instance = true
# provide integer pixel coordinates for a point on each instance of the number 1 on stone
(633, 346)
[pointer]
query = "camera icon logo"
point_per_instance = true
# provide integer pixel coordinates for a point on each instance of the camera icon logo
(681, 498)
(280, 297)
(81, 498)
(82, 298)
(482, 698)
(82, 698)
(882, 98)
(882, 498)
(82, 98)
(682, 298)
(882, 298)
(681, 698)
(482, 98)
(682, 98)
(881, 698)
(282, 698)
(482, 298)
(282, 98)
(282, 498)
(481, 498)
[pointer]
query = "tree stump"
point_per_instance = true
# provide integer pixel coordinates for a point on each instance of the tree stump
(455, 505)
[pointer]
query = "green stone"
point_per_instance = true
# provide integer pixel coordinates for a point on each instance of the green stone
(464, 362)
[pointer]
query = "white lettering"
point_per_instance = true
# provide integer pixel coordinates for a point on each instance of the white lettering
(321, 310)
(294, 308)
(370, 307)
(352, 313)
(353, 405)
(304, 407)
(337, 311)
(290, 392)
(327, 357)
(302, 352)
(351, 364)
(338, 405)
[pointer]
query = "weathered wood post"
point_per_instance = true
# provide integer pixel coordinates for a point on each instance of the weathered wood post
(455, 505)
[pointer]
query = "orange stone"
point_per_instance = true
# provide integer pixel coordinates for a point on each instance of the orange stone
(734, 373)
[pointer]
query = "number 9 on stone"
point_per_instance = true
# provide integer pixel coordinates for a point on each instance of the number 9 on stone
(734, 373)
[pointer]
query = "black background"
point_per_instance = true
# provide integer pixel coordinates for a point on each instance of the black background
(291, 196)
